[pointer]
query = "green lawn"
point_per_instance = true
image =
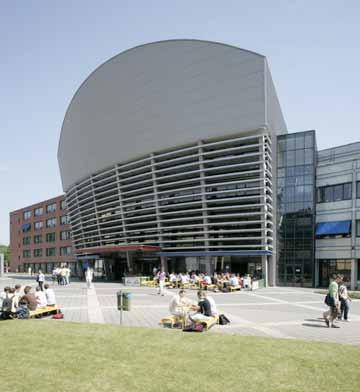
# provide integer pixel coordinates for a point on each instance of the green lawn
(55, 356)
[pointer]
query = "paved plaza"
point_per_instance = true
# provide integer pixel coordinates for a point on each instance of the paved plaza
(279, 312)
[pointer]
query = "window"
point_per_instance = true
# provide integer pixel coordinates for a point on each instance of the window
(26, 240)
(38, 239)
(51, 222)
(65, 251)
(64, 220)
(38, 211)
(338, 192)
(328, 194)
(39, 225)
(63, 205)
(27, 214)
(50, 237)
(348, 191)
(358, 189)
(51, 207)
(65, 235)
(26, 253)
(358, 228)
(37, 252)
(50, 251)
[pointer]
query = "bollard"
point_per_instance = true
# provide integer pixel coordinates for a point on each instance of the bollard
(126, 301)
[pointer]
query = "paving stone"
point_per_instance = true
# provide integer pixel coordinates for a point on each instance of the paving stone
(293, 313)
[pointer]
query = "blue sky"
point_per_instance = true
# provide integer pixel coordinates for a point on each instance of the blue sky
(49, 47)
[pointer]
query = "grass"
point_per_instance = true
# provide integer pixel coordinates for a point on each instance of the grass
(56, 356)
(352, 294)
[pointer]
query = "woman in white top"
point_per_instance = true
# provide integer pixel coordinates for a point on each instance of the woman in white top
(50, 295)
(40, 298)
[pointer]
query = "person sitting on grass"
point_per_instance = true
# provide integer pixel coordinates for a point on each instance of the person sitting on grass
(203, 308)
(40, 298)
(3, 295)
(214, 312)
(7, 308)
(50, 295)
(176, 304)
(29, 299)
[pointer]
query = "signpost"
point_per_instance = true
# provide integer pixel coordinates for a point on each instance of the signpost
(1, 265)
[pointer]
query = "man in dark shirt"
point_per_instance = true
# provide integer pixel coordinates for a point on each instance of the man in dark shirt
(203, 308)
(28, 299)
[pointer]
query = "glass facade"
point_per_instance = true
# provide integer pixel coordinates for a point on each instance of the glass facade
(333, 267)
(296, 208)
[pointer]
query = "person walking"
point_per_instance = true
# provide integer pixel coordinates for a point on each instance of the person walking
(344, 301)
(40, 279)
(89, 274)
(332, 300)
(161, 277)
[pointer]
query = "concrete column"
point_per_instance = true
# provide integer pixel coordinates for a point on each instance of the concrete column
(1, 265)
(317, 267)
(164, 264)
(354, 273)
(129, 262)
(265, 271)
(271, 270)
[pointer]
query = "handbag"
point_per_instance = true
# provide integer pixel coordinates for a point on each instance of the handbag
(329, 301)
(223, 320)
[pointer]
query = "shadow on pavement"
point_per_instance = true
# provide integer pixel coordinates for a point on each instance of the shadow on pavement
(314, 325)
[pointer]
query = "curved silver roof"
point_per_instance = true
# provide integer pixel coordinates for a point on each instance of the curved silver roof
(161, 95)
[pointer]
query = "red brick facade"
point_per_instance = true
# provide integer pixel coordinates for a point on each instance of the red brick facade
(23, 235)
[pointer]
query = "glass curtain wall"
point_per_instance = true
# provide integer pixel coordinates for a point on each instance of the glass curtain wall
(296, 208)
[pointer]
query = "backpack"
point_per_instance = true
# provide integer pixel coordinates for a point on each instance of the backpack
(223, 320)
(58, 316)
(7, 304)
(194, 328)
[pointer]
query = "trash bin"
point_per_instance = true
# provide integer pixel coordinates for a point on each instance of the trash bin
(126, 301)
(119, 300)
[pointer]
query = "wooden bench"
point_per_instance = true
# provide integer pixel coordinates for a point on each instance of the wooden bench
(46, 311)
(234, 288)
(170, 321)
(209, 322)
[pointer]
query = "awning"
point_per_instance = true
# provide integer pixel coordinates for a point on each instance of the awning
(333, 228)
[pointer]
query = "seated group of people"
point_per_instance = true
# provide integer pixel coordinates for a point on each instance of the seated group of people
(18, 301)
(185, 308)
(201, 280)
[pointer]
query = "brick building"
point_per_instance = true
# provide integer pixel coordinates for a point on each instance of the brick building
(40, 237)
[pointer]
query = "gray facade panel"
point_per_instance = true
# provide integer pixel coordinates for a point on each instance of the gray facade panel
(162, 95)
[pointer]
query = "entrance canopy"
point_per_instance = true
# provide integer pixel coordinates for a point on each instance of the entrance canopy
(119, 248)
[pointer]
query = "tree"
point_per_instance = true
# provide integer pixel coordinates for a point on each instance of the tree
(6, 250)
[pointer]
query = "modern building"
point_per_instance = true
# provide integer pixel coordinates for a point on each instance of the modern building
(40, 237)
(338, 214)
(168, 150)
(176, 153)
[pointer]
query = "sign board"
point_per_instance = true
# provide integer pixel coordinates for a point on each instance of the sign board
(255, 285)
(132, 281)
